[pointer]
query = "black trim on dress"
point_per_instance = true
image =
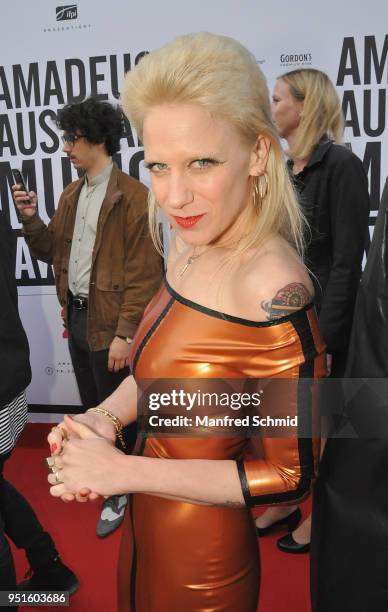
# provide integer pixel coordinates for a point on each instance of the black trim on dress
(133, 568)
(304, 412)
(150, 332)
(306, 372)
(302, 327)
(244, 482)
(231, 318)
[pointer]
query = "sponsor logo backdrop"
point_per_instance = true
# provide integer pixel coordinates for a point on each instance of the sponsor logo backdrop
(54, 54)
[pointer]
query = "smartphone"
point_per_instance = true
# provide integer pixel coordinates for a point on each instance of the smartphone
(19, 180)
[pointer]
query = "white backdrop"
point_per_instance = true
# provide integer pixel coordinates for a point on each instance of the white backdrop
(47, 62)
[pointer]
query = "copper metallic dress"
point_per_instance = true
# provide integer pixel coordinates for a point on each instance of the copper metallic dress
(181, 557)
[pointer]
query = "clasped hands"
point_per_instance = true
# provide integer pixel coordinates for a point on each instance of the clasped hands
(83, 458)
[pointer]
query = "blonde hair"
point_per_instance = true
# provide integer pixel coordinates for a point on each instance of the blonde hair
(322, 113)
(222, 76)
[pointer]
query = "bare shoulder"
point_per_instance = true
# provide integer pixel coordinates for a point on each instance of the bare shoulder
(275, 283)
(285, 299)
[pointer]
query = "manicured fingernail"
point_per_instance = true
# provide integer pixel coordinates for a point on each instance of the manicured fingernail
(84, 494)
(53, 448)
(70, 417)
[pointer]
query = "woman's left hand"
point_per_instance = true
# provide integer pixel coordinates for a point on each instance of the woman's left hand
(86, 463)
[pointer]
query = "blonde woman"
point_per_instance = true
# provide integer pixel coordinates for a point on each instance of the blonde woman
(333, 193)
(236, 303)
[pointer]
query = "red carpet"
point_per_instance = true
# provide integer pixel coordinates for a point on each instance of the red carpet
(284, 586)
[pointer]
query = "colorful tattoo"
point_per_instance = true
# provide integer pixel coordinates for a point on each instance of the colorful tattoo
(287, 300)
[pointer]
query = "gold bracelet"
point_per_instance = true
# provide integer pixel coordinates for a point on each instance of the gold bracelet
(115, 420)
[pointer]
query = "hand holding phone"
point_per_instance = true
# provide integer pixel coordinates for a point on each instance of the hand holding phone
(25, 202)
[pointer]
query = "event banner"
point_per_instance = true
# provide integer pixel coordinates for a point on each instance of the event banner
(58, 54)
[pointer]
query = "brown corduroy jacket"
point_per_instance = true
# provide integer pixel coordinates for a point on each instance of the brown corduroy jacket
(126, 269)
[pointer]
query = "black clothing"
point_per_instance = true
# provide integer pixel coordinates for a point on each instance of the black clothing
(333, 190)
(95, 382)
(349, 539)
(17, 519)
(7, 567)
(14, 352)
(368, 353)
(21, 524)
(349, 548)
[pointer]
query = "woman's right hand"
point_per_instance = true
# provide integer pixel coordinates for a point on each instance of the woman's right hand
(96, 421)
(57, 437)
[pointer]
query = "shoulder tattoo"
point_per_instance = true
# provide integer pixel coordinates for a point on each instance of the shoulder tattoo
(287, 300)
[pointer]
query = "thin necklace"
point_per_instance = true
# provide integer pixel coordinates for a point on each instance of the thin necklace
(193, 257)
(190, 260)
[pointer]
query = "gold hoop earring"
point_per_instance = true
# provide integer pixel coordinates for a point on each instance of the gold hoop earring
(256, 196)
(263, 189)
(260, 190)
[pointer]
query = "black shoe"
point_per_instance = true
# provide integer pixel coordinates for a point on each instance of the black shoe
(287, 544)
(291, 521)
(112, 515)
(53, 576)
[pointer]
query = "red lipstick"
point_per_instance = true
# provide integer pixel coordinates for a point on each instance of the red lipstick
(187, 222)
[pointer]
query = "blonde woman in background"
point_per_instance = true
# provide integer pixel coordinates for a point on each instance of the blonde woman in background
(333, 193)
(236, 303)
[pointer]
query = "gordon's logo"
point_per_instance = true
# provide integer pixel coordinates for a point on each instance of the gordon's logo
(64, 13)
(296, 59)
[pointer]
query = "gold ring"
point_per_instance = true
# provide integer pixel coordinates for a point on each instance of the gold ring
(50, 462)
(62, 430)
(57, 477)
(64, 433)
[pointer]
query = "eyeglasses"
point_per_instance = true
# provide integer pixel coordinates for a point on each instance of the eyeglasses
(70, 139)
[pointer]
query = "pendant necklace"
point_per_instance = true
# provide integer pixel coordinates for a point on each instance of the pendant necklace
(193, 257)
(190, 260)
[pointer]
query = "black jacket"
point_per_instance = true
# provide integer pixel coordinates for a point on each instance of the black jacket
(333, 190)
(368, 351)
(15, 371)
(350, 526)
